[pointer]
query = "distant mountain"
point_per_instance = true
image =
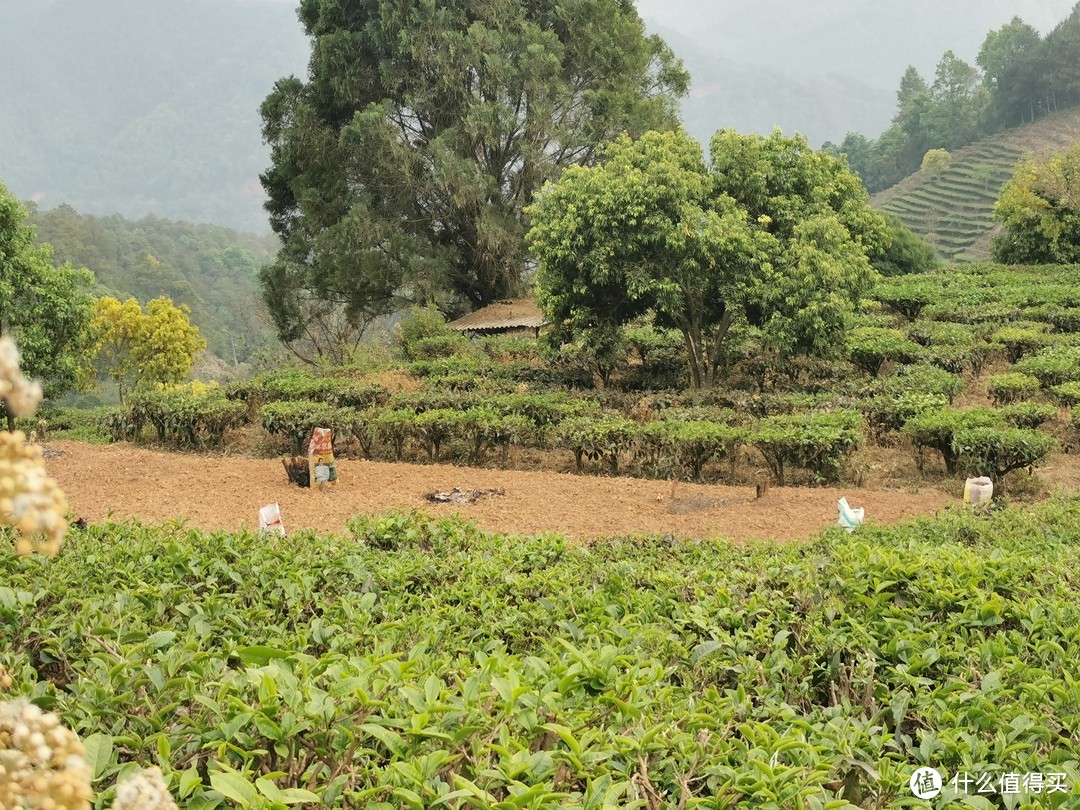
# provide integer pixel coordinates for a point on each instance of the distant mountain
(826, 67)
(143, 106)
(953, 211)
(758, 99)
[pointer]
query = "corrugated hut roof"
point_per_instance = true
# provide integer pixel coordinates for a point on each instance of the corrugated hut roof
(515, 313)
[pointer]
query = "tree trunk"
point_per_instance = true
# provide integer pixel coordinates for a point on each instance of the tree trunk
(695, 369)
(9, 417)
(713, 351)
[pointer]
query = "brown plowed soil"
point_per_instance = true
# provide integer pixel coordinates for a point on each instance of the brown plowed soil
(225, 492)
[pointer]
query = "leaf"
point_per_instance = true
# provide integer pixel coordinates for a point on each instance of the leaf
(298, 796)
(260, 656)
(189, 780)
(704, 650)
(234, 786)
(162, 638)
(98, 750)
(387, 737)
(7, 598)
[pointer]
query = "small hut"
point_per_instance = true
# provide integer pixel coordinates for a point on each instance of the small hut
(518, 316)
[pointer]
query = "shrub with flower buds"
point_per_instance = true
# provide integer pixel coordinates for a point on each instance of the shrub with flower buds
(146, 790)
(29, 500)
(41, 762)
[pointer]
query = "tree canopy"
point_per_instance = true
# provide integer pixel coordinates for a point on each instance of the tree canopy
(401, 167)
(45, 308)
(1039, 210)
(136, 348)
(771, 235)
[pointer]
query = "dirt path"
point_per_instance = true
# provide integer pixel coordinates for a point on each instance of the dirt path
(225, 492)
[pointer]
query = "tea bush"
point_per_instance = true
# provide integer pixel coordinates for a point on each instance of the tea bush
(194, 415)
(817, 442)
(1013, 386)
(423, 663)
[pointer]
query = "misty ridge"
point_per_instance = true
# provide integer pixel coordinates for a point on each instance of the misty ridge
(151, 106)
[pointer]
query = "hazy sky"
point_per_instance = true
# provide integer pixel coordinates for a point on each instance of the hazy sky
(869, 39)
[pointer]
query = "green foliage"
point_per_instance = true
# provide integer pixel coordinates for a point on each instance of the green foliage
(295, 384)
(923, 379)
(1021, 80)
(485, 427)
(72, 424)
(818, 442)
(1019, 341)
(507, 348)
(606, 438)
(1012, 386)
(1053, 365)
(435, 427)
(940, 333)
(600, 351)
(193, 416)
(906, 253)
(937, 429)
(906, 296)
(356, 667)
(423, 324)
(138, 348)
(1027, 414)
(661, 359)
(771, 234)
(395, 427)
(295, 419)
(888, 413)
(935, 161)
(1067, 393)
(997, 451)
(1039, 210)
(684, 446)
(45, 308)
(400, 168)
(870, 348)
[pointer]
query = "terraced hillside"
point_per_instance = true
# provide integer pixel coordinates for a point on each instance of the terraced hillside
(953, 210)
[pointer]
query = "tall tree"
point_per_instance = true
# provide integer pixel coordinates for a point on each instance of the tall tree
(46, 309)
(1061, 63)
(1009, 58)
(959, 103)
(401, 167)
(775, 235)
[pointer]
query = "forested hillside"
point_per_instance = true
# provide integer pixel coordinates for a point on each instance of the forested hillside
(211, 269)
(953, 209)
(142, 106)
(1018, 77)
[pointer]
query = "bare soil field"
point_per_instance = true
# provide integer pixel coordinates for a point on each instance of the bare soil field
(218, 492)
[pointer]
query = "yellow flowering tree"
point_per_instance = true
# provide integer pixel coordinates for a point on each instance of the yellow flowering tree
(137, 347)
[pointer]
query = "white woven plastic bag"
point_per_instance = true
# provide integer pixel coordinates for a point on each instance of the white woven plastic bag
(848, 517)
(270, 520)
